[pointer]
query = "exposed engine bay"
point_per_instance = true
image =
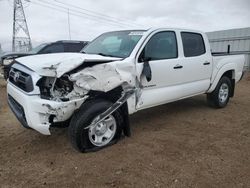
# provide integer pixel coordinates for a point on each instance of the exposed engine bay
(77, 85)
(56, 89)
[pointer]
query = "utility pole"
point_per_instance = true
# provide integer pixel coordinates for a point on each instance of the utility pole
(69, 25)
(21, 38)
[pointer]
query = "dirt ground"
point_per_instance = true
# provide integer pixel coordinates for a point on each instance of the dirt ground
(182, 144)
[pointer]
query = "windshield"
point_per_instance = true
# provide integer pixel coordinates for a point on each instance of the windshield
(114, 44)
(38, 48)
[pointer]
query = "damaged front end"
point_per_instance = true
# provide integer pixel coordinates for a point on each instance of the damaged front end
(76, 85)
(37, 113)
(62, 96)
(58, 89)
(61, 88)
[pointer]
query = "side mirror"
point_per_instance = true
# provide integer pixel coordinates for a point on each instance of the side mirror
(143, 59)
(146, 71)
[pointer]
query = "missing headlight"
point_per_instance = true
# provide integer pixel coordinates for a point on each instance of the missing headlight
(55, 88)
(45, 84)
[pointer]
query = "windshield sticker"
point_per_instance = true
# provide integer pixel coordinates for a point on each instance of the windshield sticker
(136, 33)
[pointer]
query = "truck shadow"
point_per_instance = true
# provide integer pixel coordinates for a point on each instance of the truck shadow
(159, 116)
(153, 119)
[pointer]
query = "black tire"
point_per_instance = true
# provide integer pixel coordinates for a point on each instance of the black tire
(214, 99)
(78, 133)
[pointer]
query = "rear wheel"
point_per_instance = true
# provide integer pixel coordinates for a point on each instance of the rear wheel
(100, 135)
(221, 95)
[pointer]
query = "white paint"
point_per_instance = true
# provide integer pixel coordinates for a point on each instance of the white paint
(225, 63)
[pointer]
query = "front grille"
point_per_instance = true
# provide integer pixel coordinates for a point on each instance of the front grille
(21, 79)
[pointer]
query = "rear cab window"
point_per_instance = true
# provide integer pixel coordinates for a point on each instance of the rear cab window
(193, 44)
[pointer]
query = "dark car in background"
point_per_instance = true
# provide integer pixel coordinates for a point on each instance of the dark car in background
(46, 48)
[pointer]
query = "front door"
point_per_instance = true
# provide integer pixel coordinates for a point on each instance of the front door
(161, 54)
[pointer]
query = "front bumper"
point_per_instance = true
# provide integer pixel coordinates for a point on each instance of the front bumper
(6, 71)
(37, 113)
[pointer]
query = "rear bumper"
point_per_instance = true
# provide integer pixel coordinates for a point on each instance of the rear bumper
(37, 113)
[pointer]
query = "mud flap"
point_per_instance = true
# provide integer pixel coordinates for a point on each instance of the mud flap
(126, 127)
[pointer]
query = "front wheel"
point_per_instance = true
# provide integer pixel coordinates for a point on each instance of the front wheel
(221, 95)
(97, 136)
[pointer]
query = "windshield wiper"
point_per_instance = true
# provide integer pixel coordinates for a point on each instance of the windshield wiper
(106, 55)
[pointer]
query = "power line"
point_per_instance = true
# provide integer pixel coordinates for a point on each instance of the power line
(97, 13)
(121, 22)
(98, 18)
(71, 13)
(69, 25)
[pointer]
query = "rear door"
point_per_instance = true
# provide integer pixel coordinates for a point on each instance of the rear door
(197, 63)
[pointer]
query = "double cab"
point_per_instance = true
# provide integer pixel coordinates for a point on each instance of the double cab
(118, 74)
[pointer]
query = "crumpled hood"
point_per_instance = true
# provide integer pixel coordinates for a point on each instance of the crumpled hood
(55, 65)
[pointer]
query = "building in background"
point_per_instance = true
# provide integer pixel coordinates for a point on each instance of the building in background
(238, 39)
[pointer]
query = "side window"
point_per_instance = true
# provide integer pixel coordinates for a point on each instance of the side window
(162, 45)
(193, 44)
(74, 47)
(53, 48)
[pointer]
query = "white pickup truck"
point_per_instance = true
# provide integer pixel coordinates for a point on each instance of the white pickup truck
(117, 74)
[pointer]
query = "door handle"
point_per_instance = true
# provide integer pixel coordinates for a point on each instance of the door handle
(206, 63)
(178, 67)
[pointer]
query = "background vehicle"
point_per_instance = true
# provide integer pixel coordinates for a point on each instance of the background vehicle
(46, 48)
(119, 73)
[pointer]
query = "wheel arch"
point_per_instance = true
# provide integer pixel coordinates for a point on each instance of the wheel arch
(228, 71)
(114, 95)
